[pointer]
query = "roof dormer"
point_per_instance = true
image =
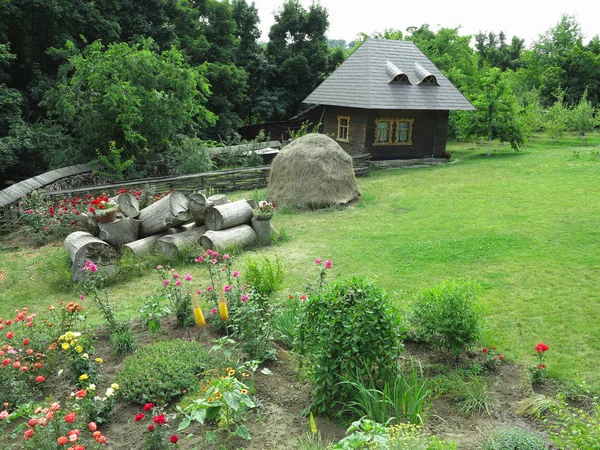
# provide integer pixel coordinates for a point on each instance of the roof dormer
(424, 76)
(394, 74)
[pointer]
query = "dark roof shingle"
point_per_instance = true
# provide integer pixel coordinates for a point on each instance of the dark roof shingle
(362, 81)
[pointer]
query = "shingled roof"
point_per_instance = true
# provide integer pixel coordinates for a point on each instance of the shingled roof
(364, 80)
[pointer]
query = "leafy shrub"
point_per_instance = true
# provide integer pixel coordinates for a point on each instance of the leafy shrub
(350, 328)
(194, 155)
(162, 371)
(286, 319)
(122, 339)
(510, 438)
(471, 396)
(573, 428)
(448, 316)
(264, 275)
(406, 436)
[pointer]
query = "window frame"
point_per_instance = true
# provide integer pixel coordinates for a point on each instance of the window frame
(340, 127)
(389, 141)
(408, 141)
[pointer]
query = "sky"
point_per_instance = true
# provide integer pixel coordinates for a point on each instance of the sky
(526, 19)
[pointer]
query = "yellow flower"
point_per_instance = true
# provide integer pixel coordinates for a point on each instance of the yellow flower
(114, 386)
(223, 311)
(199, 317)
(65, 346)
(99, 360)
(243, 391)
(83, 377)
(79, 349)
(231, 373)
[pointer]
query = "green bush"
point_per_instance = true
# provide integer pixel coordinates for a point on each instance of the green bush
(511, 438)
(350, 328)
(264, 275)
(573, 428)
(471, 396)
(163, 371)
(448, 316)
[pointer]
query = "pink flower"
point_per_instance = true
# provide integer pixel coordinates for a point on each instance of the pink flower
(213, 261)
(175, 275)
(40, 379)
(209, 289)
(188, 277)
(227, 288)
(4, 415)
(213, 311)
(92, 426)
(178, 283)
(318, 261)
(225, 256)
(328, 264)
(235, 274)
(81, 297)
(93, 267)
(199, 292)
(245, 297)
(166, 282)
(200, 259)
(159, 267)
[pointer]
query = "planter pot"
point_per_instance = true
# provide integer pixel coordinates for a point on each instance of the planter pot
(262, 228)
(108, 217)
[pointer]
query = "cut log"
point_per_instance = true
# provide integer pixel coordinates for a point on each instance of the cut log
(83, 247)
(263, 230)
(227, 216)
(83, 222)
(144, 246)
(129, 206)
(119, 232)
(198, 205)
(218, 199)
(170, 211)
(172, 244)
(236, 237)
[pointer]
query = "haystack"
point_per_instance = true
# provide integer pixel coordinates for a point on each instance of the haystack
(312, 172)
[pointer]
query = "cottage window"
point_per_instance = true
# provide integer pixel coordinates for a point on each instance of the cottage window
(404, 131)
(383, 131)
(343, 131)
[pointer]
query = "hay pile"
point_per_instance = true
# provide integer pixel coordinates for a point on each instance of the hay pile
(312, 172)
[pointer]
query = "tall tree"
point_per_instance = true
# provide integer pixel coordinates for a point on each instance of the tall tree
(493, 50)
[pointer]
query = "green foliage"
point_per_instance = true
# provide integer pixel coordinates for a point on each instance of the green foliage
(305, 128)
(471, 396)
(557, 118)
(363, 433)
(510, 438)
(264, 275)
(573, 428)
(448, 316)
(581, 118)
(406, 396)
(162, 371)
(153, 310)
(350, 328)
(122, 340)
(193, 155)
(286, 318)
(407, 436)
(122, 93)
(113, 167)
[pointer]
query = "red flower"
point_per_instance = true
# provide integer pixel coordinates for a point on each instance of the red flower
(62, 440)
(160, 419)
(92, 426)
(26, 341)
(40, 379)
(174, 439)
(70, 417)
(92, 209)
(541, 347)
(28, 434)
(539, 367)
(139, 417)
(9, 335)
(148, 406)
(501, 357)
(151, 427)
(484, 350)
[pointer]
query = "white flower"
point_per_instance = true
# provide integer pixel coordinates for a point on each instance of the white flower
(86, 356)
(60, 372)
(110, 392)
(92, 387)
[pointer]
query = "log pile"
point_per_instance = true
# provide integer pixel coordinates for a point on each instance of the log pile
(166, 226)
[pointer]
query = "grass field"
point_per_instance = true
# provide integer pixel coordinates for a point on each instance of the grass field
(524, 225)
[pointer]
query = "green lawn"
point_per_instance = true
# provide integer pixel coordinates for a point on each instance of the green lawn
(524, 225)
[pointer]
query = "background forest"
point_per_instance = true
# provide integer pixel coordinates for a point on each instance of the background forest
(147, 80)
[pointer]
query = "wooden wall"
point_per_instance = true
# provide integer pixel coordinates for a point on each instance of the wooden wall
(430, 129)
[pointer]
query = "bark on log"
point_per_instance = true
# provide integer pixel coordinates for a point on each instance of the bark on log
(172, 244)
(83, 222)
(129, 206)
(119, 232)
(227, 216)
(198, 205)
(236, 237)
(170, 211)
(144, 246)
(83, 247)
(218, 199)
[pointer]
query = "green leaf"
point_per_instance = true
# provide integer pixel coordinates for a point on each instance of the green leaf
(184, 424)
(242, 432)
(233, 399)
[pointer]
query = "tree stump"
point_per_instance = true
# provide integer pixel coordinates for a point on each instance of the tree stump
(144, 246)
(171, 245)
(198, 205)
(218, 199)
(236, 237)
(119, 232)
(84, 222)
(227, 216)
(129, 206)
(170, 211)
(263, 230)
(83, 247)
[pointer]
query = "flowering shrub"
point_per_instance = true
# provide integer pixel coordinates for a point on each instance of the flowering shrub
(539, 370)
(156, 434)
(162, 371)
(265, 210)
(81, 366)
(91, 406)
(101, 206)
(51, 426)
(350, 328)
(492, 359)
(178, 292)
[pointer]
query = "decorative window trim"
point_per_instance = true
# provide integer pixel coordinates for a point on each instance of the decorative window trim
(393, 137)
(410, 130)
(390, 134)
(339, 129)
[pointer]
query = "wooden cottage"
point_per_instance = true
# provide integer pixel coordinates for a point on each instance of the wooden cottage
(389, 100)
